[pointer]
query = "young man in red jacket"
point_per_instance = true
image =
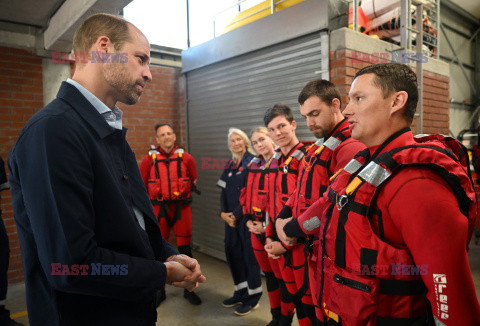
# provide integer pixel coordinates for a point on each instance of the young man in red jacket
(396, 222)
(282, 181)
(320, 105)
(170, 174)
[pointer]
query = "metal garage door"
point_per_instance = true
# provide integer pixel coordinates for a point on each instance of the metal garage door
(235, 93)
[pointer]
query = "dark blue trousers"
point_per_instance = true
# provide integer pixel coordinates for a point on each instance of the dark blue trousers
(243, 265)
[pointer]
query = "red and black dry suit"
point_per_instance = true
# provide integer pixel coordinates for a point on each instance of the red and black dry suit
(254, 200)
(322, 160)
(169, 180)
(394, 227)
(282, 183)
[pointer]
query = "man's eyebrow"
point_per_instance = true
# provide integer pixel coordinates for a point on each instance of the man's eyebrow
(353, 94)
(143, 55)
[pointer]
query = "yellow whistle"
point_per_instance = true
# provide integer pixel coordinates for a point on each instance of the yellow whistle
(353, 185)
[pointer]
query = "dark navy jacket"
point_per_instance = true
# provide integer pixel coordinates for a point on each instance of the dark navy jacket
(74, 180)
(232, 181)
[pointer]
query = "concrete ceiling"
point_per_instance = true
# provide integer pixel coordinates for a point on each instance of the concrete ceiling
(29, 12)
(55, 21)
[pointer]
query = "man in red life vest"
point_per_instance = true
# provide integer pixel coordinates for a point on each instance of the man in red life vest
(320, 105)
(395, 223)
(170, 175)
(282, 180)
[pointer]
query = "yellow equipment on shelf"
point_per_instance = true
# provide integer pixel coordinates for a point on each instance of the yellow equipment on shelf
(257, 12)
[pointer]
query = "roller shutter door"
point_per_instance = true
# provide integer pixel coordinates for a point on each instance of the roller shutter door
(235, 93)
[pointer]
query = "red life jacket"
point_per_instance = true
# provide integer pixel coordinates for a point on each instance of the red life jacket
(253, 196)
(283, 174)
(169, 180)
(359, 280)
(314, 170)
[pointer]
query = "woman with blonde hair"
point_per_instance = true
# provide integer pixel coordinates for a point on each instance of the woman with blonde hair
(238, 249)
(254, 199)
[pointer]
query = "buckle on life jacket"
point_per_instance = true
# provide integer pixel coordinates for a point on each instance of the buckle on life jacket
(257, 211)
(287, 162)
(310, 163)
(341, 201)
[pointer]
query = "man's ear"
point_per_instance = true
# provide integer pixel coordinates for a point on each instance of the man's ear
(294, 124)
(335, 105)
(103, 44)
(399, 100)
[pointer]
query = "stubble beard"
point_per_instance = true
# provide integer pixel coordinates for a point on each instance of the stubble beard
(117, 77)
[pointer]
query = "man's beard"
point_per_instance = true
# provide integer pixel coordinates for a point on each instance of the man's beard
(318, 134)
(117, 77)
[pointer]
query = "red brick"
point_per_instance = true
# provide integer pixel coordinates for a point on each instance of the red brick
(342, 80)
(33, 89)
(10, 102)
(33, 104)
(20, 51)
(8, 57)
(10, 72)
(5, 109)
(34, 60)
(340, 63)
(22, 96)
(344, 53)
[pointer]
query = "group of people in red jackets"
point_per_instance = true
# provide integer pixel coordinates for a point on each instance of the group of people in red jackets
(368, 225)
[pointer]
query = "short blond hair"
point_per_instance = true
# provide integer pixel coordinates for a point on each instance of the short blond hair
(113, 27)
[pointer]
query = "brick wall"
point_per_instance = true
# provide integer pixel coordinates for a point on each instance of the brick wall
(345, 63)
(161, 102)
(21, 95)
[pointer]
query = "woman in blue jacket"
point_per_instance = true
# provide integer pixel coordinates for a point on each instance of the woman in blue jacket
(238, 248)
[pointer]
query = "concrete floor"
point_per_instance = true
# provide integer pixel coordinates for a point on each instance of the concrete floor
(176, 311)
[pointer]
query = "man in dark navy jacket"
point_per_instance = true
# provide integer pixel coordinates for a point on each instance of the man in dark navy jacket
(92, 250)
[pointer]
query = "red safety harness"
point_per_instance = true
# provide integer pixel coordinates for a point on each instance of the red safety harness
(359, 285)
(254, 197)
(283, 178)
(169, 183)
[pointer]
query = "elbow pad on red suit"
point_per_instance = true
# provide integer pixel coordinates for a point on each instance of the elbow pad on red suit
(293, 230)
(285, 213)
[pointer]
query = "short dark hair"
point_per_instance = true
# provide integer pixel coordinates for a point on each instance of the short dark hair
(323, 89)
(278, 110)
(395, 77)
(162, 125)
